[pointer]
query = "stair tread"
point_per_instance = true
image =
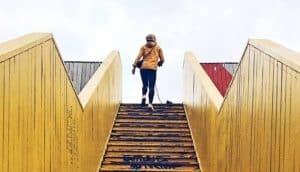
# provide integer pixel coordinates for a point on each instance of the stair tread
(122, 169)
(152, 139)
(157, 116)
(115, 167)
(168, 155)
(150, 143)
(147, 111)
(151, 125)
(150, 134)
(151, 113)
(146, 121)
(152, 118)
(148, 129)
(149, 149)
(150, 146)
(120, 159)
(176, 161)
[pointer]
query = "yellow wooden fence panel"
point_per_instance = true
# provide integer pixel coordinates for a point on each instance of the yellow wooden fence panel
(256, 128)
(45, 126)
(201, 110)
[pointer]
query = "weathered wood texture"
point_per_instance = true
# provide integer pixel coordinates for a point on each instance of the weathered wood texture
(257, 126)
(202, 101)
(44, 125)
(142, 140)
(80, 72)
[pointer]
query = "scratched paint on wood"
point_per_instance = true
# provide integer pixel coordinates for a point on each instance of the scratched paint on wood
(44, 124)
(256, 127)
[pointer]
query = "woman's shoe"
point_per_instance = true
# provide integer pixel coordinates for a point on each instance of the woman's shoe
(151, 108)
(144, 100)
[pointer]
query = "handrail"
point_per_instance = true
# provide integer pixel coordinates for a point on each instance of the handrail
(209, 86)
(91, 86)
(202, 101)
(255, 127)
(57, 129)
(13, 47)
(286, 56)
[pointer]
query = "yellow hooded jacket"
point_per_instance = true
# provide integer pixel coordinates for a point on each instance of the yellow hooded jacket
(150, 56)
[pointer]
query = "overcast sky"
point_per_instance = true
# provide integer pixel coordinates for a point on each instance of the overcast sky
(214, 30)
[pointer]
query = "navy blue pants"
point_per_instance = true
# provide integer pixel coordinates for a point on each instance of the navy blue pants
(148, 78)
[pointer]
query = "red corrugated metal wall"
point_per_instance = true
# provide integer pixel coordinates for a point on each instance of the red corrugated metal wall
(219, 75)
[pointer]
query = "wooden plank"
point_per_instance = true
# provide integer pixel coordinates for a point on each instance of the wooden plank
(118, 121)
(150, 143)
(151, 125)
(151, 139)
(12, 117)
(122, 170)
(124, 167)
(153, 117)
(141, 113)
(6, 117)
(145, 109)
(146, 134)
(19, 141)
(160, 106)
(84, 76)
(150, 163)
(150, 149)
(79, 79)
(165, 154)
(2, 84)
(118, 160)
(149, 129)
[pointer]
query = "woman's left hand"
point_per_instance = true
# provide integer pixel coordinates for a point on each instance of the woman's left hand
(133, 71)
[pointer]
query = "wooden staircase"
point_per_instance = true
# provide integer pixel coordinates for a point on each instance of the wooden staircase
(150, 141)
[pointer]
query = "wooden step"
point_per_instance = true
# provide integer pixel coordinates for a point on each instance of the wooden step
(150, 125)
(178, 163)
(119, 160)
(151, 113)
(169, 155)
(152, 117)
(146, 110)
(149, 129)
(151, 139)
(187, 149)
(154, 104)
(151, 134)
(146, 169)
(149, 143)
(146, 121)
(143, 167)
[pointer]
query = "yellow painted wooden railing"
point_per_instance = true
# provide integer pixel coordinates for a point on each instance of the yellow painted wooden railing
(256, 126)
(44, 125)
